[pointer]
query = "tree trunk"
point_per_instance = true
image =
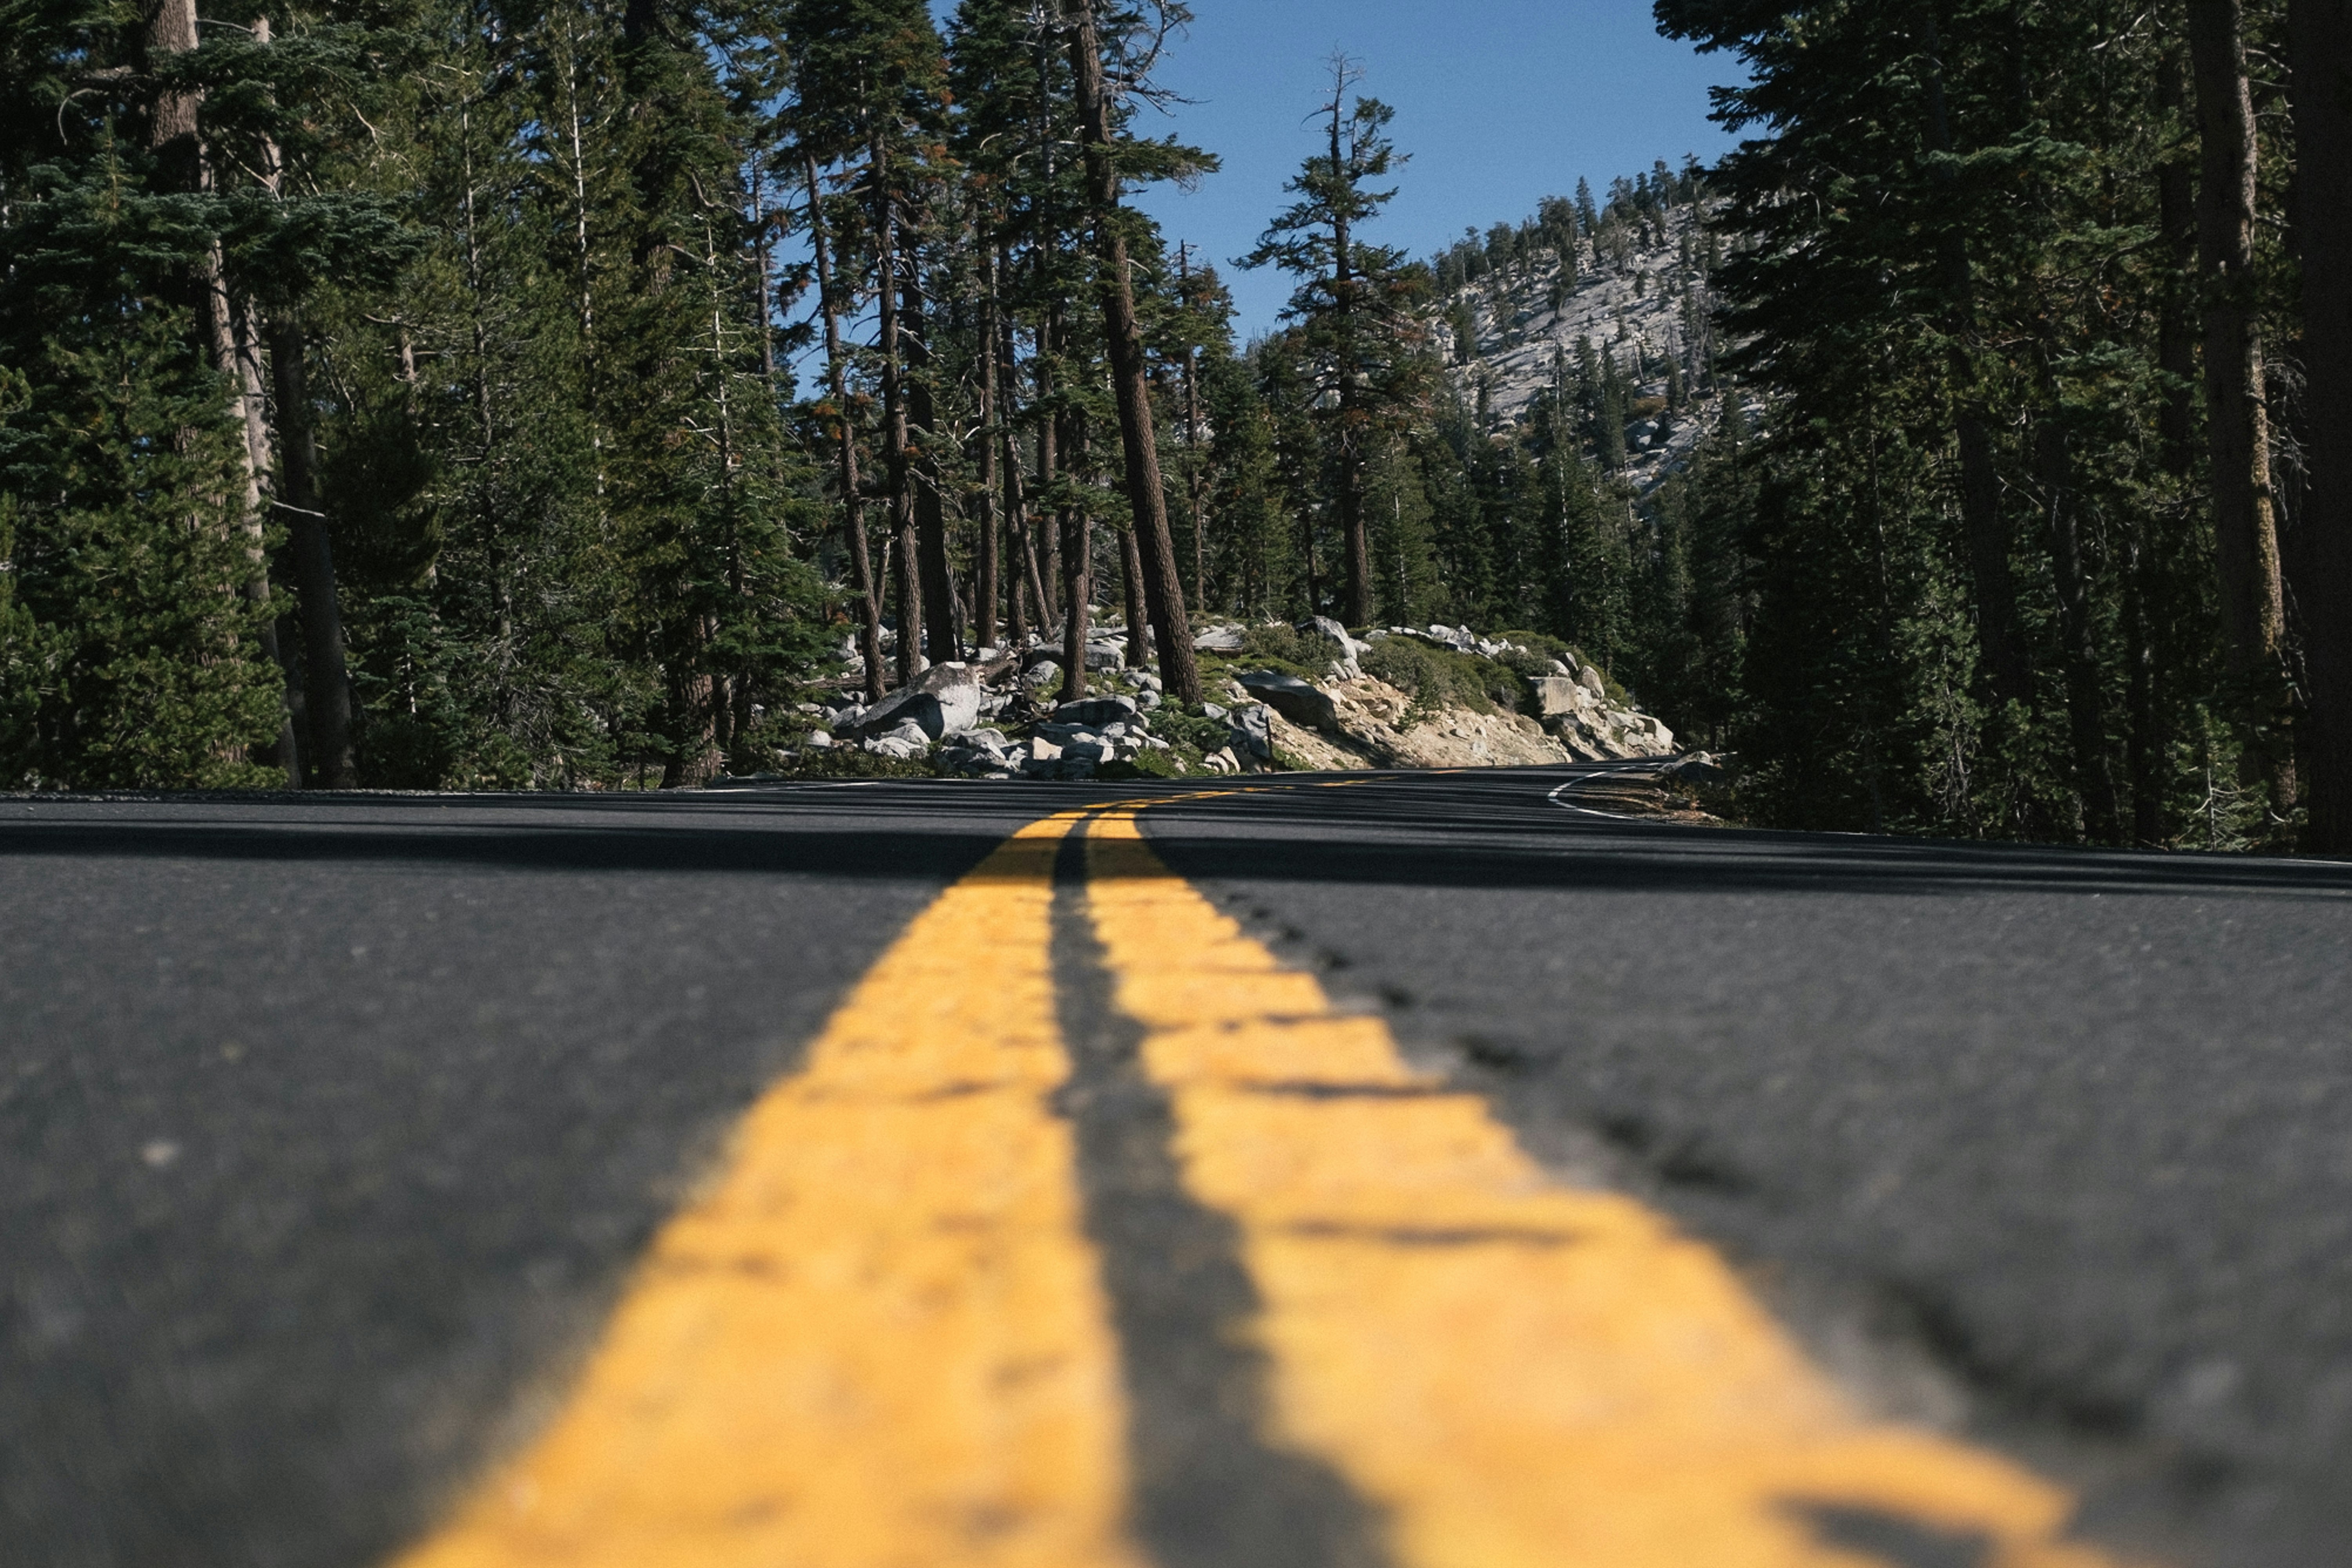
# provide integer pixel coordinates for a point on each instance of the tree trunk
(1078, 580)
(1147, 499)
(1077, 588)
(693, 700)
(2237, 432)
(852, 503)
(172, 131)
(1049, 429)
(1192, 475)
(2085, 702)
(1016, 507)
(238, 359)
(1354, 541)
(1307, 548)
(985, 566)
(763, 296)
(2321, 34)
(932, 573)
(905, 591)
(1988, 541)
(246, 354)
(175, 134)
(1130, 582)
(327, 683)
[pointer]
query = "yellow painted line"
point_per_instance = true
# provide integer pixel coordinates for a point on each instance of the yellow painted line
(1513, 1371)
(878, 1340)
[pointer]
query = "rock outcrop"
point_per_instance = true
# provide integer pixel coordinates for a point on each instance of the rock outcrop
(1299, 701)
(943, 700)
(994, 718)
(1353, 720)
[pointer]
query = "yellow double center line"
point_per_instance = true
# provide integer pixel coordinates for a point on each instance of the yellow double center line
(880, 1339)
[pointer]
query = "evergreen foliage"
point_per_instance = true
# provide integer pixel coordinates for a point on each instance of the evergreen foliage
(403, 394)
(1983, 594)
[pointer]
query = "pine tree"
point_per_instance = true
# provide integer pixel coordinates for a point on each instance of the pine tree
(1111, 161)
(1947, 351)
(132, 654)
(1356, 307)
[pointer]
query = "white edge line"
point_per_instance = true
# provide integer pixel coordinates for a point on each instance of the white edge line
(1554, 797)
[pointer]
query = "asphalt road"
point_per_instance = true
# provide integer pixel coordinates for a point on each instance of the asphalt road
(331, 1132)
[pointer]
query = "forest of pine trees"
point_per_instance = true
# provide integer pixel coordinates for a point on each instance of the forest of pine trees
(2041, 532)
(451, 394)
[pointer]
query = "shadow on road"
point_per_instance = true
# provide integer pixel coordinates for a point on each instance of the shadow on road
(1491, 828)
(1498, 831)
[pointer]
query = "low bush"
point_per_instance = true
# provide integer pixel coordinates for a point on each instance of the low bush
(1287, 650)
(849, 761)
(1178, 727)
(1437, 678)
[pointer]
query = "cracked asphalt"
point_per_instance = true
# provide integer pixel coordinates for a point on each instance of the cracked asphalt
(329, 1131)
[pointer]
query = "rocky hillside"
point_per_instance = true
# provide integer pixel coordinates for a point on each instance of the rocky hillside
(1443, 697)
(1637, 303)
(1283, 698)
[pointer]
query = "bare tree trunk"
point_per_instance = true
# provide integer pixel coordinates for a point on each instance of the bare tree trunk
(985, 568)
(173, 133)
(327, 683)
(1077, 591)
(238, 359)
(1192, 475)
(2321, 34)
(1049, 429)
(1078, 584)
(1988, 540)
(1039, 599)
(1130, 582)
(852, 503)
(763, 296)
(932, 574)
(1355, 541)
(325, 704)
(1016, 507)
(1163, 594)
(1306, 550)
(2237, 422)
(245, 353)
(906, 592)
(694, 702)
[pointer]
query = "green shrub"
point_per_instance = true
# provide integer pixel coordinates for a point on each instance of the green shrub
(1437, 678)
(848, 761)
(1172, 724)
(1306, 654)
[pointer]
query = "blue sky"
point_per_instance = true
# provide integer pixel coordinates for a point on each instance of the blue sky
(1499, 102)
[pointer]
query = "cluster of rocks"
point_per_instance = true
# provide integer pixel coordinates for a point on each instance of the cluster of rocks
(1571, 702)
(1460, 639)
(1104, 652)
(993, 716)
(1575, 709)
(957, 716)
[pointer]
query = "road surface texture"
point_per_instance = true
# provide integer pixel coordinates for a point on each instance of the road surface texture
(1396, 1171)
